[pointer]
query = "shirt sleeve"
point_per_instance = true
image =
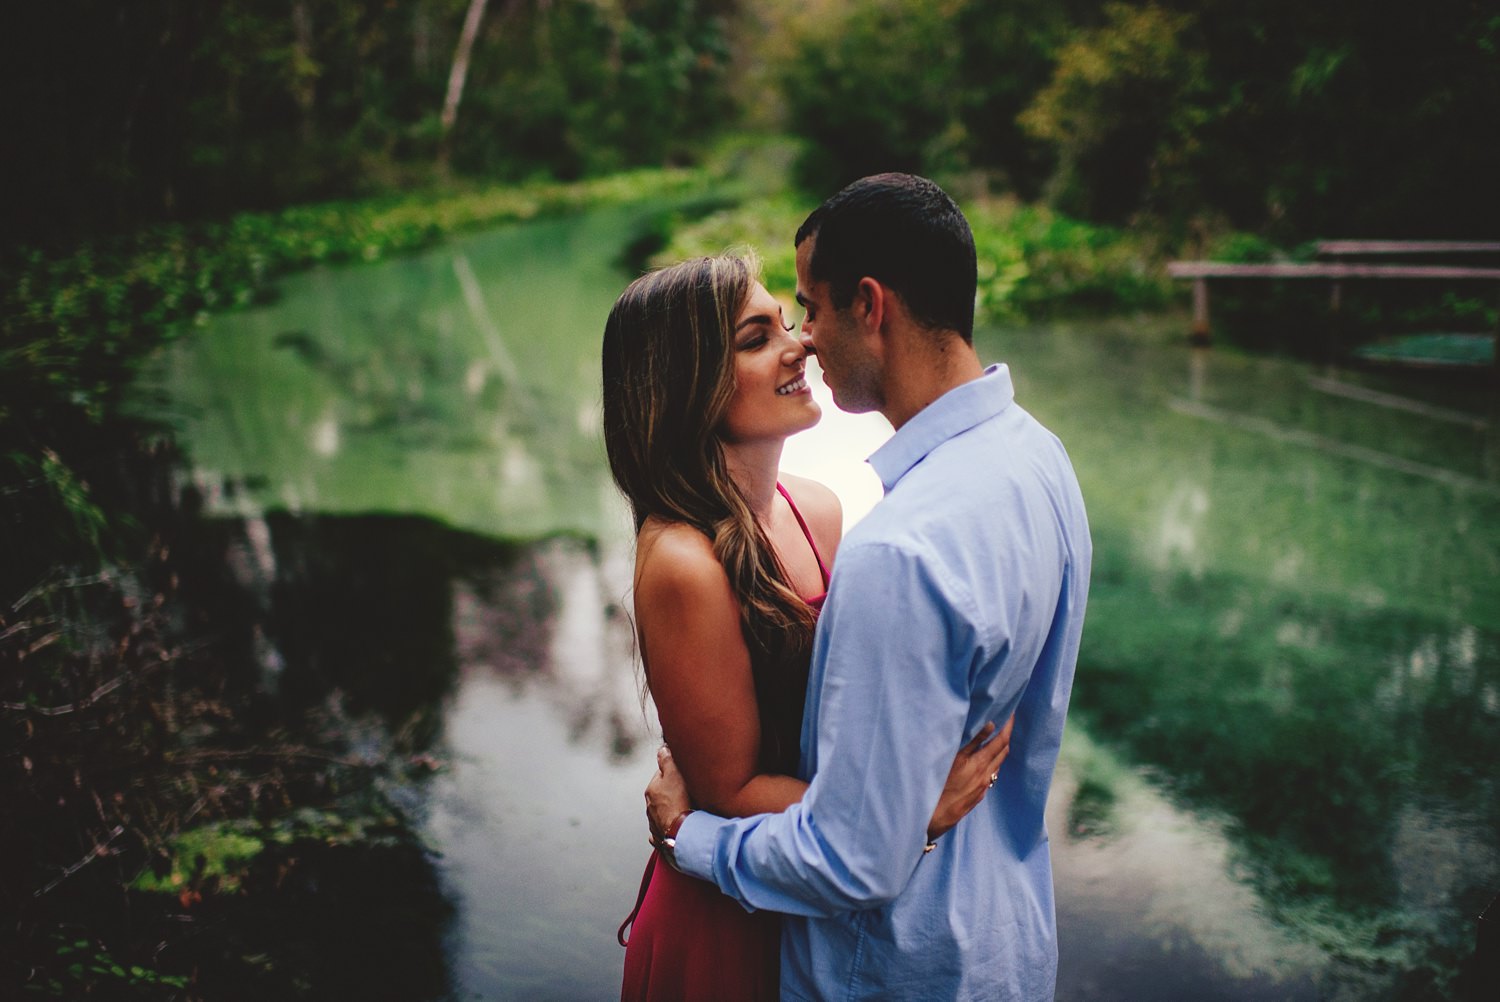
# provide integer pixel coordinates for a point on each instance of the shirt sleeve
(896, 640)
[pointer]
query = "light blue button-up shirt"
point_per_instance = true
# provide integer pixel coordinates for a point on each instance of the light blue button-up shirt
(958, 600)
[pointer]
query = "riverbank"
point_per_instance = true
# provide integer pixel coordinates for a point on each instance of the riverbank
(174, 828)
(176, 825)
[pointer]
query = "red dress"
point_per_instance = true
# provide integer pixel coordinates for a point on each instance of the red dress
(687, 940)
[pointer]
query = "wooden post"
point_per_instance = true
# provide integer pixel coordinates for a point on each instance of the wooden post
(1197, 372)
(1335, 321)
(1487, 952)
(1495, 356)
(1200, 332)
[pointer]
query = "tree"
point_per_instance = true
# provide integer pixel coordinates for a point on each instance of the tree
(1122, 111)
(872, 89)
(457, 76)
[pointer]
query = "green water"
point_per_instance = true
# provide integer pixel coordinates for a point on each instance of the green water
(461, 384)
(1295, 620)
(1280, 777)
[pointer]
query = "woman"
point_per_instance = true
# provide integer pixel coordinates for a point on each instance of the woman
(703, 383)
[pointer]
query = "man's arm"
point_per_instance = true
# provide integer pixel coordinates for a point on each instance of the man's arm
(975, 769)
(897, 645)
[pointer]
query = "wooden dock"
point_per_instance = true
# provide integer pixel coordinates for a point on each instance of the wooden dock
(1337, 272)
(1404, 248)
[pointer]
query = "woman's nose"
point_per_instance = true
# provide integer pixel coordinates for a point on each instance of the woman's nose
(796, 350)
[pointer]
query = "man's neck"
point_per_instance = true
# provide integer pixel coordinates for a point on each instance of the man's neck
(921, 368)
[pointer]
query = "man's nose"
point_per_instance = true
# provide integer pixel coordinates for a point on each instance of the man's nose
(796, 351)
(807, 345)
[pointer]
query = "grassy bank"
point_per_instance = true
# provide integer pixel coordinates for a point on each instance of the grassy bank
(72, 320)
(1032, 261)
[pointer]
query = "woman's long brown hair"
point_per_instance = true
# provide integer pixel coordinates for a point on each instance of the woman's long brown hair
(668, 378)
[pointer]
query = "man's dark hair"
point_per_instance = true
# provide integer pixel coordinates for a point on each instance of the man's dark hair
(904, 232)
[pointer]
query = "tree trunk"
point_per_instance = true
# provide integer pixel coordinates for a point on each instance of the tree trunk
(456, 79)
(304, 72)
(421, 39)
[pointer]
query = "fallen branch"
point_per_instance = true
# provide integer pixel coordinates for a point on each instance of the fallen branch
(93, 854)
(21, 627)
(46, 641)
(218, 755)
(74, 707)
(45, 586)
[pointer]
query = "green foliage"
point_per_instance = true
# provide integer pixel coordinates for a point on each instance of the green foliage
(1031, 260)
(1007, 52)
(216, 857)
(133, 113)
(1000, 258)
(765, 226)
(1299, 121)
(88, 967)
(63, 522)
(579, 88)
(1245, 248)
(1296, 119)
(216, 853)
(1122, 111)
(871, 89)
(1034, 260)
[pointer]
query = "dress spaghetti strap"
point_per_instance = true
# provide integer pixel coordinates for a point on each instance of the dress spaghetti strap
(822, 567)
(622, 934)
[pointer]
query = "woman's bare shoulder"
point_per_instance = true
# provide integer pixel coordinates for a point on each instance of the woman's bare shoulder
(673, 558)
(683, 603)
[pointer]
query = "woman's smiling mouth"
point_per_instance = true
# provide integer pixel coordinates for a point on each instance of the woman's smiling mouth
(800, 383)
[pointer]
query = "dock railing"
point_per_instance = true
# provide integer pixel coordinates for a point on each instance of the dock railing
(1337, 272)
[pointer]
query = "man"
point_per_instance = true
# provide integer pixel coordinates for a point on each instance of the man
(957, 601)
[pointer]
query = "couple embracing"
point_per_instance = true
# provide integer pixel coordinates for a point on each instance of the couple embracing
(832, 820)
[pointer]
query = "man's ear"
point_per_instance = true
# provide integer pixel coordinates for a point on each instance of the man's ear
(870, 303)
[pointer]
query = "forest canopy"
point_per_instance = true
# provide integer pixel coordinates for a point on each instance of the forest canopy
(1289, 119)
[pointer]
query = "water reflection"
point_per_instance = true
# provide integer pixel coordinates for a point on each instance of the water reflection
(1154, 893)
(454, 384)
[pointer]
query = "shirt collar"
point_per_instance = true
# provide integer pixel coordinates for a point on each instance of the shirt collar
(953, 413)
